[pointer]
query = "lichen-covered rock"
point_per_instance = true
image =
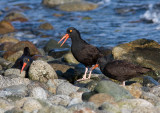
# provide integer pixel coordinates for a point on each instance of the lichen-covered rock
(6, 27)
(31, 104)
(66, 88)
(41, 71)
(5, 104)
(13, 71)
(78, 6)
(60, 100)
(6, 81)
(38, 93)
(46, 26)
(15, 16)
(52, 3)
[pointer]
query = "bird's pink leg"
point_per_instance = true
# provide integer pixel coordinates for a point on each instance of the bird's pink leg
(84, 76)
(90, 72)
(123, 83)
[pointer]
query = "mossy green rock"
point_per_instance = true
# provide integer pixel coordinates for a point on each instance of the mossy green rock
(112, 89)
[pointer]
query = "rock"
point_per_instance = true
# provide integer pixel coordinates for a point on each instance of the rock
(111, 108)
(31, 104)
(57, 53)
(6, 38)
(13, 57)
(14, 110)
(131, 104)
(76, 95)
(20, 47)
(135, 89)
(14, 92)
(38, 93)
(100, 98)
(41, 71)
(6, 27)
(5, 64)
(46, 26)
(52, 44)
(69, 58)
(141, 109)
(75, 101)
(80, 106)
(60, 100)
(54, 109)
(66, 89)
(15, 16)
(52, 3)
(78, 6)
(150, 97)
(144, 52)
(6, 46)
(85, 110)
(13, 71)
(6, 81)
(156, 91)
(6, 105)
(148, 81)
(112, 89)
(53, 83)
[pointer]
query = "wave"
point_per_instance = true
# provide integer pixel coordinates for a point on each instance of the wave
(152, 14)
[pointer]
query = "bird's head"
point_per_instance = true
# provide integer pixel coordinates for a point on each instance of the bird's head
(69, 34)
(26, 62)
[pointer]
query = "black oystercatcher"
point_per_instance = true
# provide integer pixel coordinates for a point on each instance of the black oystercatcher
(120, 70)
(24, 61)
(82, 51)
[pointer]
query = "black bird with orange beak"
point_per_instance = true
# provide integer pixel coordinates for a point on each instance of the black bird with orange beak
(82, 51)
(24, 61)
(120, 70)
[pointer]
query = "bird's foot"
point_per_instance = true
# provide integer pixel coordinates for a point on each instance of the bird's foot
(83, 79)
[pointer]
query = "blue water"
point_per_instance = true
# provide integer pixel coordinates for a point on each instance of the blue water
(107, 27)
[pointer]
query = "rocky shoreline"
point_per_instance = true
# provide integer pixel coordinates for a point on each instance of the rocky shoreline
(52, 87)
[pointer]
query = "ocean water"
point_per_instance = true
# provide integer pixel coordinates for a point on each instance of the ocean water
(113, 22)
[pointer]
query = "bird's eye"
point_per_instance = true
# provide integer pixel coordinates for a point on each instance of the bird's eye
(28, 60)
(70, 31)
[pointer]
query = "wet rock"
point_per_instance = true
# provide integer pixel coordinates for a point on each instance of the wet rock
(69, 58)
(46, 26)
(112, 89)
(132, 104)
(150, 97)
(15, 16)
(57, 53)
(14, 92)
(5, 104)
(6, 38)
(38, 93)
(99, 99)
(111, 108)
(60, 100)
(78, 6)
(52, 44)
(66, 88)
(52, 3)
(31, 104)
(6, 81)
(135, 89)
(20, 47)
(6, 27)
(144, 52)
(41, 71)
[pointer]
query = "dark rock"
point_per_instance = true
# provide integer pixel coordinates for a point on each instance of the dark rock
(57, 53)
(46, 26)
(52, 44)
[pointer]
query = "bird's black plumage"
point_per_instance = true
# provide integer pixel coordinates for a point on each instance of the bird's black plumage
(120, 70)
(25, 58)
(82, 51)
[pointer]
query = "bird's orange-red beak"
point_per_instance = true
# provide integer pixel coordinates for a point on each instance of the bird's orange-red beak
(66, 36)
(24, 65)
(95, 66)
